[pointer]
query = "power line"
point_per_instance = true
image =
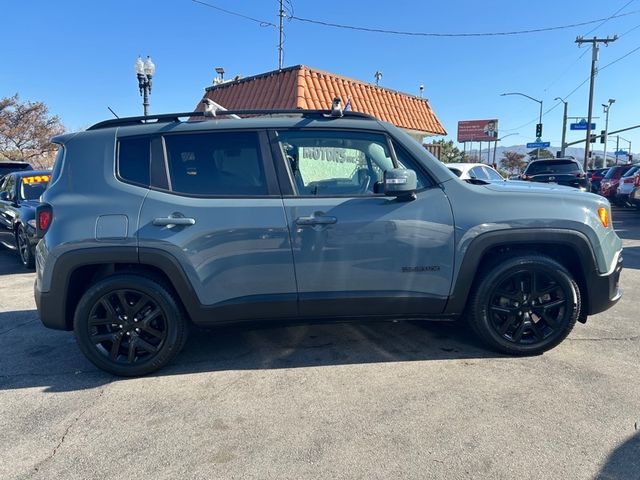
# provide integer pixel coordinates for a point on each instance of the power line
(609, 18)
(262, 23)
(473, 34)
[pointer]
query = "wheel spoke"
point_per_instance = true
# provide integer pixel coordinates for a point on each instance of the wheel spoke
(124, 305)
(146, 345)
(131, 356)
(104, 337)
(538, 331)
(138, 305)
(501, 309)
(507, 324)
(548, 320)
(95, 321)
(553, 304)
(115, 347)
(517, 335)
(151, 331)
(111, 313)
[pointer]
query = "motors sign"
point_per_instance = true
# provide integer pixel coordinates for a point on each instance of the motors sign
(478, 130)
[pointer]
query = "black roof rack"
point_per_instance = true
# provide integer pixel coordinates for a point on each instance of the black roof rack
(175, 117)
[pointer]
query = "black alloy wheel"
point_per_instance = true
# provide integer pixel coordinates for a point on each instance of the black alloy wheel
(24, 248)
(525, 305)
(129, 325)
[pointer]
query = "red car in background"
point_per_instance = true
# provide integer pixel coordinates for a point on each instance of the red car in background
(610, 182)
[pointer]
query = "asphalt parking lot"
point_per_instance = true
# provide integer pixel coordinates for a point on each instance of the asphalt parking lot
(380, 400)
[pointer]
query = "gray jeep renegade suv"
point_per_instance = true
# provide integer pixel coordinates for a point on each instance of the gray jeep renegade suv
(150, 225)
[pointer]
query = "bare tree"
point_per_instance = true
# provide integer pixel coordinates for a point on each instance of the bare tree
(513, 161)
(25, 132)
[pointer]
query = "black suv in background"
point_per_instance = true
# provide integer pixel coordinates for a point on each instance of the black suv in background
(7, 167)
(561, 171)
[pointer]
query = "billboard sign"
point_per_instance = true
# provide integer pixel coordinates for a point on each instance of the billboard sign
(478, 130)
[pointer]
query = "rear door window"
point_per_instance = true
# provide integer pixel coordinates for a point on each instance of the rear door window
(216, 164)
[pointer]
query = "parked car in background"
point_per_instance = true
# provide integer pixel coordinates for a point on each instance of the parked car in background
(561, 171)
(19, 194)
(596, 177)
(475, 171)
(7, 167)
(626, 184)
(609, 184)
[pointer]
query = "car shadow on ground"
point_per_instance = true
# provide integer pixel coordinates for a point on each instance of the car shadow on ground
(624, 461)
(10, 262)
(33, 356)
(631, 257)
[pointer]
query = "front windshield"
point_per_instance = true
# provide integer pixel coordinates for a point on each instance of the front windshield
(32, 187)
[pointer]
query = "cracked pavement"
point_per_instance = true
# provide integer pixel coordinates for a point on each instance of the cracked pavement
(377, 400)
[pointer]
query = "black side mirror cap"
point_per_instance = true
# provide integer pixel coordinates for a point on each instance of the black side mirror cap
(401, 183)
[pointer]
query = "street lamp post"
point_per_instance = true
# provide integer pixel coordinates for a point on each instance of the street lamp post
(564, 126)
(539, 116)
(145, 71)
(606, 107)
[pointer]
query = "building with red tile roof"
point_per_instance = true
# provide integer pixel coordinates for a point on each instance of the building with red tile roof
(308, 88)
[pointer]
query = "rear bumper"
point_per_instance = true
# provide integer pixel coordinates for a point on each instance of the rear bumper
(51, 308)
(603, 290)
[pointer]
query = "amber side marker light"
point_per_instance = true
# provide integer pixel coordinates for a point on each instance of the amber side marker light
(603, 213)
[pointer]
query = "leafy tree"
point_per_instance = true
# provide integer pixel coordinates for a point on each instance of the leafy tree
(544, 153)
(25, 132)
(449, 153)
(513, 161)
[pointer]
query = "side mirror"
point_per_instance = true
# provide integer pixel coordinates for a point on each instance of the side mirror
(400, 183)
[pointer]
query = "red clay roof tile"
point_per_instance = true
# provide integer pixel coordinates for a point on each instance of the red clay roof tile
(307, 88)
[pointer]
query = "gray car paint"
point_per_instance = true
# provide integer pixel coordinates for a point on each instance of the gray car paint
(436, 228)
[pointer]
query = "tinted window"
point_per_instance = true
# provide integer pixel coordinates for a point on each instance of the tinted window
(553, 166)
(630, 172)
(456, 171)
(336, 163)
(6, 168)
(616, 172)
(133, 160)
(226, 163)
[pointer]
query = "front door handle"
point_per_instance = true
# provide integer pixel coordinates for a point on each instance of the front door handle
(316, 218)
(173, 221)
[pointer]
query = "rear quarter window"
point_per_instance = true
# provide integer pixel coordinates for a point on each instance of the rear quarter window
(134, 157)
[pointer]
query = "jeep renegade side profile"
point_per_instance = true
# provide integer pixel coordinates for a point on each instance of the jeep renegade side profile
(150, 225)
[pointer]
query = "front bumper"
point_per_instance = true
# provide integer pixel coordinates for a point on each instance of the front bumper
(604, 290)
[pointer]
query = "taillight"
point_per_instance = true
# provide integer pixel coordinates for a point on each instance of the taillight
(44, 217)
(637, 181)
(628, 180)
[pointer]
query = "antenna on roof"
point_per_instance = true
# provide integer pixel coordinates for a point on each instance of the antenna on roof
(377, 76)
(114, 113)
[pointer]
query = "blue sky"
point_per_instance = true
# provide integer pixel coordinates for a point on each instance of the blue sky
(77, 56)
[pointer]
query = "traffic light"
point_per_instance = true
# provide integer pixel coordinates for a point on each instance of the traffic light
(538, 130)
(593, 138)
(603, 136)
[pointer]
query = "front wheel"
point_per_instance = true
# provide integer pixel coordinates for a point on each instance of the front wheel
(129, 325)
(525, 305)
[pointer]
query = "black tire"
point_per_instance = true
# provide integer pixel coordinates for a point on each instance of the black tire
(25, 250)
(524, 305)
(129, 325)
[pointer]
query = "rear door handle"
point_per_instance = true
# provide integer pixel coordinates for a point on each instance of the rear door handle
(317, 218)
(173, 221)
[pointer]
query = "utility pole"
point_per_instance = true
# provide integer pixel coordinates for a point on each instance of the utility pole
(564, 127)
(594, 70)
(280, 49)
(606, 107)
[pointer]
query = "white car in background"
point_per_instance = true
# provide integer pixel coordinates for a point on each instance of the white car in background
(475, 171)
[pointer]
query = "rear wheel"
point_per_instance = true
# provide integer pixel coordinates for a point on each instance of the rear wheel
(24, 248)
(129, 325)
(525, 305)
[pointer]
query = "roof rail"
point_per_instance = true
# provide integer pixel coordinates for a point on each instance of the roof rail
(175, 117)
